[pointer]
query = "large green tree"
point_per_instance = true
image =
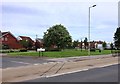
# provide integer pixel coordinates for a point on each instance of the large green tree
(57, 35)
(117, 38)
(75, 43)
(104, 44)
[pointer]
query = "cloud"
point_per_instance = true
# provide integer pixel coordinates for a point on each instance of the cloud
(119, 14)
(60, 0)
(35, 18)
(15, 8)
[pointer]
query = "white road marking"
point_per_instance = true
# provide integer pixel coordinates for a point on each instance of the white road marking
(20, 62)
(106, 65)
(51, 62)
(80, 70)
(44, 63)
(67, 73)
(35, 64)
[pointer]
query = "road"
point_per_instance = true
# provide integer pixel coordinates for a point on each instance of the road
(33, 71)
(8, 62)
(105, 74)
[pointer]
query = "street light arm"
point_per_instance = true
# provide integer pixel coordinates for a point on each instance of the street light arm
(92, 6)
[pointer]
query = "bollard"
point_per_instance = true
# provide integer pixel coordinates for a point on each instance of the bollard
(39, 53)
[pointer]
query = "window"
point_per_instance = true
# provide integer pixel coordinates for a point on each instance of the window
(6, 39)
(2, 38)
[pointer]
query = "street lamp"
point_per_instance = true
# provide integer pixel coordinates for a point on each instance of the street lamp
(89, 30)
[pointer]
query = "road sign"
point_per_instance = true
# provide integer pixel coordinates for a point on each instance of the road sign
(40, 50)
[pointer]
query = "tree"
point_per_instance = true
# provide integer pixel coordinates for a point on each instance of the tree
(75, 43)
(26, 44)
(117, 38)
(30, 45)
(85, 43)
(58, 36)
(111, 46)
(104, 44)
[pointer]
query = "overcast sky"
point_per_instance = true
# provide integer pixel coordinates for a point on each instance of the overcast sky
(31, 17)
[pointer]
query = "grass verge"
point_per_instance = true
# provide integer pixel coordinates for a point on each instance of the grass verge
(60, 54)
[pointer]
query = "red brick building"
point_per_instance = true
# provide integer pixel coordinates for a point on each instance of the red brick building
(30, 44)
(93, 44)
(39, 43)
(9, 40)
(25, 38)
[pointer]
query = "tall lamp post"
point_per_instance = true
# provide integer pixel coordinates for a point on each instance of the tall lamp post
(89, 30)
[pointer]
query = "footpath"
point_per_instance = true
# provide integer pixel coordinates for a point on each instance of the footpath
(60, 66)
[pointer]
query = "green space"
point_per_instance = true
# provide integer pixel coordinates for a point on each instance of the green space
(59, 54)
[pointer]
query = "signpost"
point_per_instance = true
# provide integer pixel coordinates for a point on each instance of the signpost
(40, 50)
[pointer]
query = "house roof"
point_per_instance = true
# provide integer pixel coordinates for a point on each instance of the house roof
(39, 40)
(5, 33)
(26, 38)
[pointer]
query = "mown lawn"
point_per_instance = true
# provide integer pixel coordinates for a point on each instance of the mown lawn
(58, 54)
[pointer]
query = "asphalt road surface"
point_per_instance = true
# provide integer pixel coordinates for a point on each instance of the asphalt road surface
(106, 74)
(8, 62)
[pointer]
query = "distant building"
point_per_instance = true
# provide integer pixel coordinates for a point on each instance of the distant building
(93, 44)
(99, 46)
(26, 38)
(9, 41)
(108, 46)
(39, 43)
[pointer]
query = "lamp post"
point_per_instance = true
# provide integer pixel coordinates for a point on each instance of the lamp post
(89, 30)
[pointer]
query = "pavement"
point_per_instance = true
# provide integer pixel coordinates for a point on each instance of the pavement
(79, 58)
(60, 66)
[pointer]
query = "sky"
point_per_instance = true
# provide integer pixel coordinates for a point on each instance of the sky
(34, 17)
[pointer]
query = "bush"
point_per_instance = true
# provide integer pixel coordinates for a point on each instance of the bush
(52, 49)
(4, 46)
(4, 51)
(8, 50)
(93, 49)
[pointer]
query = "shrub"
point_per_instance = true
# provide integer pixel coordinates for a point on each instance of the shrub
(52, 49)
(93, 49)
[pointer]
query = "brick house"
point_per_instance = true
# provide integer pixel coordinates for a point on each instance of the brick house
(39, 43)
(9, 41)
(93, 44)
(26, 38)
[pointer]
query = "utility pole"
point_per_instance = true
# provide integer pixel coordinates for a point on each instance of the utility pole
(89, 30)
